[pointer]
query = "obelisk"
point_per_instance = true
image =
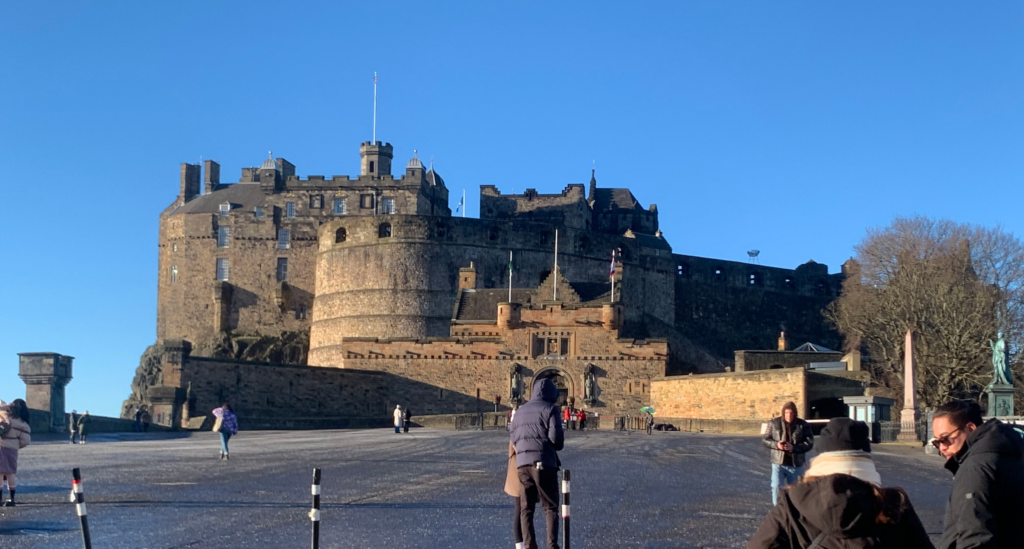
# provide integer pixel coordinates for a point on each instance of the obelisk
(909, 415)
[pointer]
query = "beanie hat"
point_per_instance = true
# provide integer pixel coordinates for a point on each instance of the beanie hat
(843, 433)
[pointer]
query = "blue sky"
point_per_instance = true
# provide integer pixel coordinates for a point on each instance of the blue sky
(786, 127)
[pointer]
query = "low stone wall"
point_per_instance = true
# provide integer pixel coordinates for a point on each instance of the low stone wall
(451, 421)
(724, 426)
(747, 396)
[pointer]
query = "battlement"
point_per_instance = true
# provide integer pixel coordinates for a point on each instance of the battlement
(568, 208)
(810, 279)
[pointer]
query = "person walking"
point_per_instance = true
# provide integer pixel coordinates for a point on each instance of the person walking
(15, 417)
(226, 425)
(137, 426)
(512, 488)
(841, 502)
(146, 420)
(538, 436)
(407, 420)
(73, 425)
(789, 438)
(565, 417)
(398, 418)
(649, 422)
(581, 416)
(83, 426)
(987, 462)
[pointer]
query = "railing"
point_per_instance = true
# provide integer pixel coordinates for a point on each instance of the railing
(889, 430)
(472, 422)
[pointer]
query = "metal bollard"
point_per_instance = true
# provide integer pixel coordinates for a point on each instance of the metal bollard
(77, 491)
(565, 509)
(314, 515)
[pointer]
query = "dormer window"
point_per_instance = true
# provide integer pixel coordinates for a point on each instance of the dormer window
(225, 208)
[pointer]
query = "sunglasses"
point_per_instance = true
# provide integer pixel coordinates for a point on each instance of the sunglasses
(944, 441)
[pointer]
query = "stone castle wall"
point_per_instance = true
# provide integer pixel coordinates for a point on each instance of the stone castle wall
(406, 285)
(736, 396)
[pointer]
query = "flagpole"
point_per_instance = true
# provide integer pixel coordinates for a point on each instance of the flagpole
(613, 277)
(463, 202)
(510, 276)
(555, 281)
(374, 109)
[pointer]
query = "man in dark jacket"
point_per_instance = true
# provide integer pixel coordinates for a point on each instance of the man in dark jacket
(789, 439)
(537, 435)
(987, 462)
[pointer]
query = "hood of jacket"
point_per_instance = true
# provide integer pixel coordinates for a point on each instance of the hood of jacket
(842, 506)
(992, 437)
(545, 390)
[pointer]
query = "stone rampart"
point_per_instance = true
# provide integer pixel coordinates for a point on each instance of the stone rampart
(752, 396)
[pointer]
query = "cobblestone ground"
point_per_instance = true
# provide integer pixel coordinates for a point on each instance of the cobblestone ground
(427, 489)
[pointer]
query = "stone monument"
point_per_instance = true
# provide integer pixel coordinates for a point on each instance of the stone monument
(45, 376)
(1000, 391)
(909, 415)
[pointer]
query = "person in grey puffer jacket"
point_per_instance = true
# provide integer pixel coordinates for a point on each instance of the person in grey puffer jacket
(537, 435)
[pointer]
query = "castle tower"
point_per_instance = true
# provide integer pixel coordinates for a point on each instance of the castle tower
(376, 158)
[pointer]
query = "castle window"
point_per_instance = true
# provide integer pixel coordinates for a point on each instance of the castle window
(790, 284)
(492, 234)
(366, 201)
(684, 270)
(754, 279)
(258, 212)
(284, 239)
(339, 206)
(174, 274)
(387, 205)
(225, 208)
(223, 269)
(223, 237)
(174, 247)
(282, 269)
(289, 208)
(719, 275)
(340, 235)
(384, 231)
(371, 166)
(316, 201)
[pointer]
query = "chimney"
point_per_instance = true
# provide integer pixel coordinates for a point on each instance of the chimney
(189, 183)
(467, 277)
(211, 175)
(783, 344)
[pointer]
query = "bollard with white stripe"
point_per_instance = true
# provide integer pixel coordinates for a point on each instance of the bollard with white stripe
(314, 514)
(79, 499)
(565, 509)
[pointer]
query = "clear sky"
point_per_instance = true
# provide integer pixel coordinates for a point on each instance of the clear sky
(789, 127)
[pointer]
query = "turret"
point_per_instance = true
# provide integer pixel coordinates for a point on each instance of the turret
(376, 158)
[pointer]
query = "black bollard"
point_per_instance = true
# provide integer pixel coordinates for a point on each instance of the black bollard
(76, 489)
(314, 515)
(565, 509)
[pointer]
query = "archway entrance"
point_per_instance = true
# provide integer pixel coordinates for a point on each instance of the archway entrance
(562, 383)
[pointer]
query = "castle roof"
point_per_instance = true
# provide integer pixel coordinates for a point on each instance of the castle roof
(481, 305)
(269, 163)
(614, 199)
(656, 242)
(239, 195)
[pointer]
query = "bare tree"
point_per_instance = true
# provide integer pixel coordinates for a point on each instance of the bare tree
(955, 285)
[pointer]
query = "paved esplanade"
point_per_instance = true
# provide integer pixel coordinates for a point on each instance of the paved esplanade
(427, 489)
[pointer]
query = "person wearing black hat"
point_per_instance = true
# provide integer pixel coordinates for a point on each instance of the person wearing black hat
(841, 502)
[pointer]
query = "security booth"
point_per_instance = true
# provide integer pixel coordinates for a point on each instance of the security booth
(871, 410)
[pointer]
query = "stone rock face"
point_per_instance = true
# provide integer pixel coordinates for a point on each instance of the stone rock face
(286, 348)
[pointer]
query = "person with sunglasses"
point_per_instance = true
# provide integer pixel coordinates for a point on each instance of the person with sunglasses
(987, 462)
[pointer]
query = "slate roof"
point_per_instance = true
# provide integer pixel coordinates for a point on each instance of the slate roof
(651, 241)
(612, 199)
(240, 195)
(482, 304)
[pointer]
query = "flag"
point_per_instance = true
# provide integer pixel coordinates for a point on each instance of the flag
(612, 273)
(461, 200)
(510, 262)
(374, 78)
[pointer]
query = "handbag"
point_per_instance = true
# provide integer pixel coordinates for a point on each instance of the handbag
(5, 427)
(217, 424)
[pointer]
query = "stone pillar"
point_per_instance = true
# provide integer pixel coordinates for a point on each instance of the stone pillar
(509, 315)
(467, 277)
(168, 397)
(909, 415)
(611, 315)
(221, 306)
(45, 376)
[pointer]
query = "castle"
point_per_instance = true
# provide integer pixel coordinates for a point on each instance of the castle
(374, 276)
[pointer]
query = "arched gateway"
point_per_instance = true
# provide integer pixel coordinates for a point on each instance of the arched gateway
(561, 380)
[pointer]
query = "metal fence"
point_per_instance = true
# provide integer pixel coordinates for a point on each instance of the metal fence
(480, 422)
(889, 430)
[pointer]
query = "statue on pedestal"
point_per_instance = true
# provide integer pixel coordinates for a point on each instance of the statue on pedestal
(1002, 372)
(589, 385)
